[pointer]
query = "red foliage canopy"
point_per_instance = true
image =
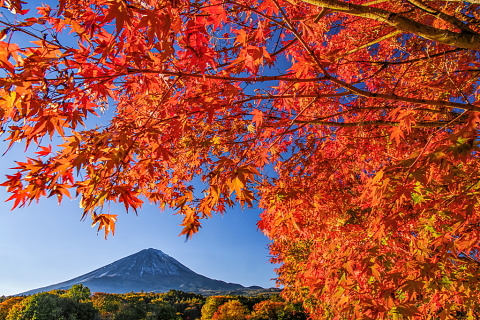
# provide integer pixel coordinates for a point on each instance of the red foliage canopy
(354, 125)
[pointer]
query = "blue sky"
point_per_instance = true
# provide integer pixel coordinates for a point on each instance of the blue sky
(46, 244)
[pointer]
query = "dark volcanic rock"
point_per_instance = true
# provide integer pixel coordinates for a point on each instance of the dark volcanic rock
(147, 270)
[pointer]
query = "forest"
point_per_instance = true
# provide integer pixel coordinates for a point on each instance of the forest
(78, 303)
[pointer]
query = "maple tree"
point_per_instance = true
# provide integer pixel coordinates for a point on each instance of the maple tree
(354, 125)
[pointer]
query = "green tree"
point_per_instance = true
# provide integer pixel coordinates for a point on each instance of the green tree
(79, 292)
(161, 310)
(292, 311)
(176, 296)
(132, 307)
(42, 306)
(47, 306)
(192, 312)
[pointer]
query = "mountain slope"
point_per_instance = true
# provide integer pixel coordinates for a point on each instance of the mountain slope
(147, 270)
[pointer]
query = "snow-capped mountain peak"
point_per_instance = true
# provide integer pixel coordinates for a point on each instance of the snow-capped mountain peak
(147, 270)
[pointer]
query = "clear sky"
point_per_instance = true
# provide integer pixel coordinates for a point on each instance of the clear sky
(45, 244)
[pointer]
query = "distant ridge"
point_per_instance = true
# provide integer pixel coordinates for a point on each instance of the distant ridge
(149, 270)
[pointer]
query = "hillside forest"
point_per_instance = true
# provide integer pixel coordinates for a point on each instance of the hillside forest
(78, 303)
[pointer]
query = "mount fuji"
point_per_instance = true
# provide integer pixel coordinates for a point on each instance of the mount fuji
(149, 270)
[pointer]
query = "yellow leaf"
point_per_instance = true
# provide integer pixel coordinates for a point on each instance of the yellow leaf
(236, 185)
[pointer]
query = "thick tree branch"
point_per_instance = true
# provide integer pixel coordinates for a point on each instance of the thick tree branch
(293, 96)
(411, 60)
(393, 97)
(469, 1)
(371, 43)
(462, 40)
(351, 88)
(433, 124)
(434, 12)
(377, 123)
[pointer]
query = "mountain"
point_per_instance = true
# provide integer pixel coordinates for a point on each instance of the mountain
(147, 270)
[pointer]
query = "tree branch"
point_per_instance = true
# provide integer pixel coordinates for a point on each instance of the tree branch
(228, 78)
(411, 60)
(293, 96)
(469, 1)
(429, 124)
(393, 97)
(371, 43)
(434, 12)
(463, 40)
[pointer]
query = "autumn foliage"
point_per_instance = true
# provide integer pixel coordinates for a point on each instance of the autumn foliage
(354, 125)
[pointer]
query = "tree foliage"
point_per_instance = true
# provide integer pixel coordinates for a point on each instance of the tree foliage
(172, 305)
(353, 124)
(78, 292)
(267, 310)
(160, 310)
(7, 305)
(47, 306)
(231, 310)
(212, 304)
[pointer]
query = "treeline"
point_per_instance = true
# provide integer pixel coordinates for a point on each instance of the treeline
(78, 303)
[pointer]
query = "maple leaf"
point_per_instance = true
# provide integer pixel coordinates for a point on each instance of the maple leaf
(45, 151)
(257, 117)
(190, 223)
(397, 134)
(105, 222)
